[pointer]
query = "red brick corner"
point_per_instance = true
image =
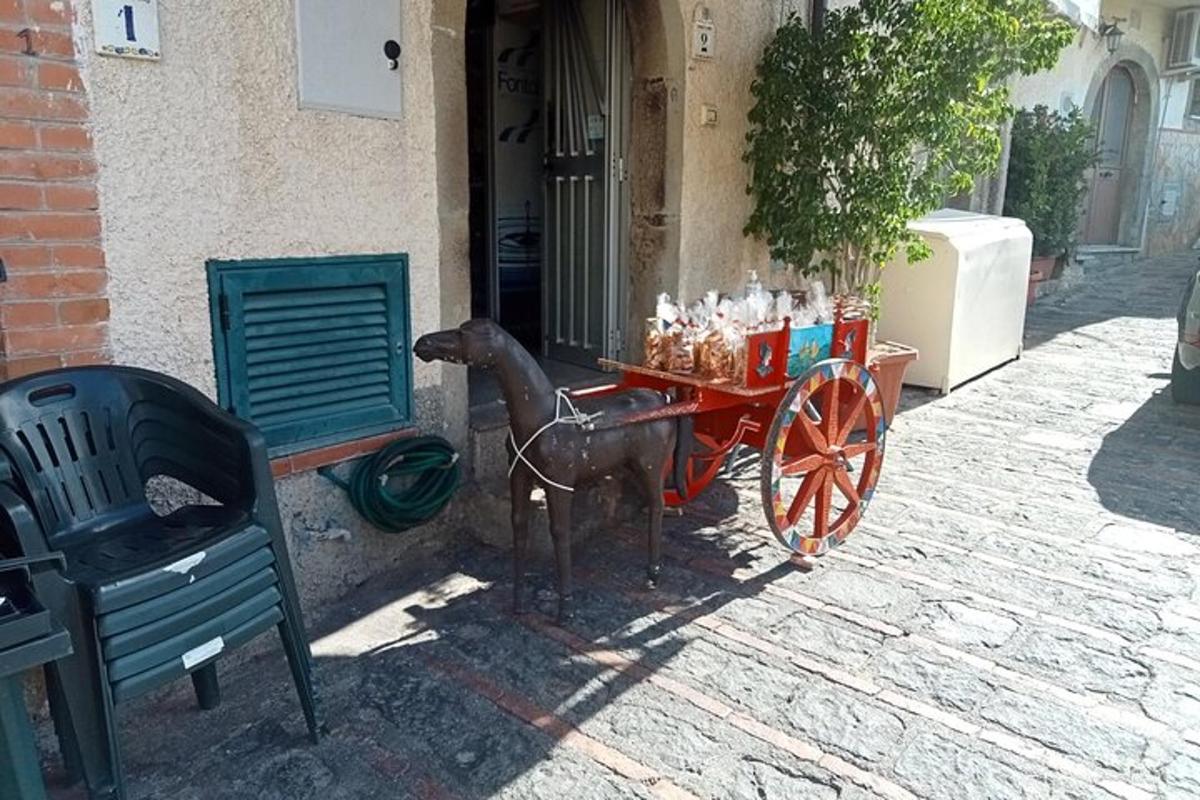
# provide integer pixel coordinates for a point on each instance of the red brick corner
(53, 307)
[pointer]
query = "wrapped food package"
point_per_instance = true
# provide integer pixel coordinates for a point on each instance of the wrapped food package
(711, 337)
(668, 343)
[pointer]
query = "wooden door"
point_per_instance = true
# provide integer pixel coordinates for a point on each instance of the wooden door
(1113, 119)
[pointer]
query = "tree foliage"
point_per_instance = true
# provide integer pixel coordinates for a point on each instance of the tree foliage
(858, 131)
(1051, 152)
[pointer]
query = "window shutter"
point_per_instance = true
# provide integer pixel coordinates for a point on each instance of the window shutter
(1184, 50)
(314, 351)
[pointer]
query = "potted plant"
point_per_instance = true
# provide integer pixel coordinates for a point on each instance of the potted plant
(870, 123)
(1051, 154)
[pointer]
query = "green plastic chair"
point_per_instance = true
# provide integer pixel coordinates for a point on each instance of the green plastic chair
(29, 637)
(146, 599)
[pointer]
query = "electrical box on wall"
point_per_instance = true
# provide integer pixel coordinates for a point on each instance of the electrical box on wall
(350, 56)
(1168, 206)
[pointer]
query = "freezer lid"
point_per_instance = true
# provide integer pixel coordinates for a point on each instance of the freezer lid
(948, 223)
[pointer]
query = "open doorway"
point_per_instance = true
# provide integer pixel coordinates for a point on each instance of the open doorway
(548, 92)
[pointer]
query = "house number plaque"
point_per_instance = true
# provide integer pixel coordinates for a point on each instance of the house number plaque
(704, 34)
(126, 28)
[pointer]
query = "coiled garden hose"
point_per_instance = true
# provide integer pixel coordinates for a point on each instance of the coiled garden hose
(428, 472)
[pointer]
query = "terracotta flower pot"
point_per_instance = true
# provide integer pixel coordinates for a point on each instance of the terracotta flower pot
(888, 361)
(1041, 268)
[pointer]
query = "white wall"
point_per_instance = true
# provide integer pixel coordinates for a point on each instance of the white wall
(1085, 12)
(1145, 27)
(1177, 93)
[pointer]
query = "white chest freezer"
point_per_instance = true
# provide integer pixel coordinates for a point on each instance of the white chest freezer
(964, 308)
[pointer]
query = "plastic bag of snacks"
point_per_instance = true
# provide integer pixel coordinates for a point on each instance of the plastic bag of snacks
(710, 338)
(668, 342)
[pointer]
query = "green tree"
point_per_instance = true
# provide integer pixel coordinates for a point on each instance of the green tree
(1051, 152)
(858, 131)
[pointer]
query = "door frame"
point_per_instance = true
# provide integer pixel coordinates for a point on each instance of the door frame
(618, 211)
(611, 89)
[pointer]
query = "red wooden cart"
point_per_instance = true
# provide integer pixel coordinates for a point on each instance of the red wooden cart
(821, 435)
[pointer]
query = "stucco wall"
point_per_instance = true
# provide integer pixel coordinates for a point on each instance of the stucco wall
(207, 155)
(688, 180)
(714, 206)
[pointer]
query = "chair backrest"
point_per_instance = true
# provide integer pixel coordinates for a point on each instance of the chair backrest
(67, 435)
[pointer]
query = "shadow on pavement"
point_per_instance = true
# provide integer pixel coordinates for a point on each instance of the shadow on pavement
(428, 683)
(1109, 293)
(1157, 448)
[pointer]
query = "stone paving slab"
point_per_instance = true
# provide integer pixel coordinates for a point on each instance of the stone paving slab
(1018, 617)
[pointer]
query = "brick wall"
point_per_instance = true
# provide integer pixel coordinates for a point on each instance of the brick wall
(53, 309)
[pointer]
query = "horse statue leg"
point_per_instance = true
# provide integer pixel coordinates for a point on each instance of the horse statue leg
(650, 463)
(559, 503)
(652, 480)
(520, 484)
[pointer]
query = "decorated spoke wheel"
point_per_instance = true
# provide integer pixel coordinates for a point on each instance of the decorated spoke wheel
(822, 456)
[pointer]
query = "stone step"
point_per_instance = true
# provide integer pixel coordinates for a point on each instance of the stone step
(599, 506)
(1100, 259)
(486, 443)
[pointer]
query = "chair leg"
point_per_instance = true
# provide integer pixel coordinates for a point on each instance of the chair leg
(68, 748)
(300, 660)
(295, 641)
(20, 767)
(93, 725)
(208, 688)
(83, 684)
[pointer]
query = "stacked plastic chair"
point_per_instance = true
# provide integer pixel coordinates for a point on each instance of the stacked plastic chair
(146, 598)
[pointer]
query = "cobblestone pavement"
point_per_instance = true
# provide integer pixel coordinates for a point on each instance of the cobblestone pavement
(1018, 618)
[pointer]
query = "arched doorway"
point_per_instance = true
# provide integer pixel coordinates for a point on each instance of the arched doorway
(1122, 107)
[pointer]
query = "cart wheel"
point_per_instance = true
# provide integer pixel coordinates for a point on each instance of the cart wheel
(702, 468)
(822, 456)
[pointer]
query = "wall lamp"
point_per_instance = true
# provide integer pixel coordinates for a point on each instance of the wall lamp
(1112, 34)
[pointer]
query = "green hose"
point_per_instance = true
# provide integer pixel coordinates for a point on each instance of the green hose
(428, 467)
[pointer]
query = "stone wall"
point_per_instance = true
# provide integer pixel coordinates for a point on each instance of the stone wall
(1177, 174)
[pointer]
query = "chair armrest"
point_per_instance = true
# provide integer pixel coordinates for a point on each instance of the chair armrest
(16, 516)
(188, 437)
(31, 564)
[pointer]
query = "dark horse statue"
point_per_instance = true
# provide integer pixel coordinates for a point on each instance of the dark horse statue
(561, 456)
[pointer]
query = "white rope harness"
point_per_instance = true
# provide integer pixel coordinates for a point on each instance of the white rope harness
(562, 397)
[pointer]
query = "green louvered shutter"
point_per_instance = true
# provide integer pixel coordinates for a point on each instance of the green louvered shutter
(313, 351)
